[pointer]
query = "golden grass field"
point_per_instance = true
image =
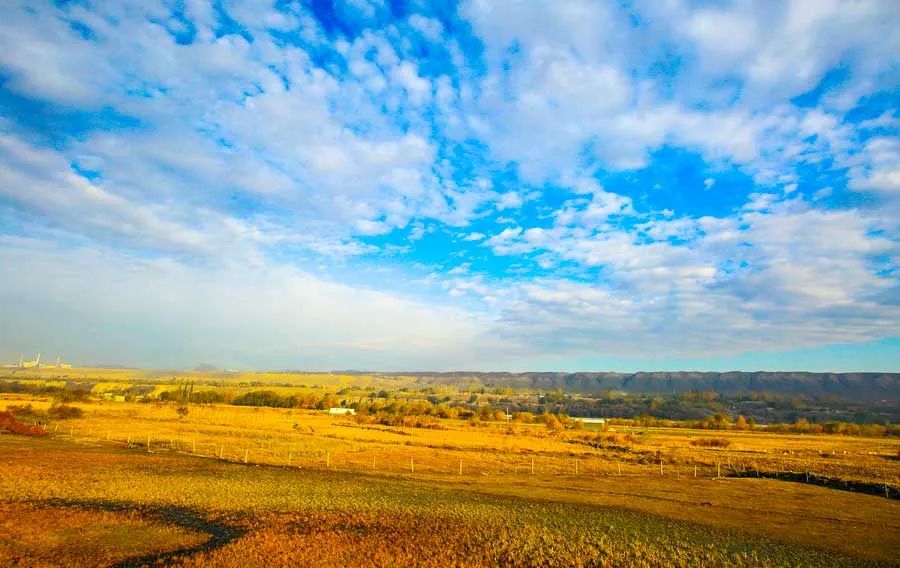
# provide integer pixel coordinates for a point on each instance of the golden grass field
(227, 485)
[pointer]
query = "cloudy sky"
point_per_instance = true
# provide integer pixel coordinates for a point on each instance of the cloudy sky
(484, 185)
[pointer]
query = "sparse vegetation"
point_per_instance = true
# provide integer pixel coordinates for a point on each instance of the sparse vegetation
(9, 423)
(64, 412)
(711, 442)
(281, 516)
(426, 477)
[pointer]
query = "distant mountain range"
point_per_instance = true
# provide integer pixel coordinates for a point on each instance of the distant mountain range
(849, 386)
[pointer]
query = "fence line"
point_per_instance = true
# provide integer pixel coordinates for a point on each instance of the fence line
(446, 461)
(419, 461)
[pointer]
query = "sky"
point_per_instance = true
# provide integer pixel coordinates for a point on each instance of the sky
(482, 185)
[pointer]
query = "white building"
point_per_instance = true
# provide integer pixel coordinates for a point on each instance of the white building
(589, 420)
(341, 411)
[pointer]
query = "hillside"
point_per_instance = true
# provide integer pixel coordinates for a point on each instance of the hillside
(849, 386)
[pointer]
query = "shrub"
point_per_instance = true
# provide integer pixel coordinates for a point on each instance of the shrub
(8, 422)
(407, 421)
(72, 395)
(26, 412)
(64, 412)
(207, 397)
(711, 442)
(263, 398)
(552, 422)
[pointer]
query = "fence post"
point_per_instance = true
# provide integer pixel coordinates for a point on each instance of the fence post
(460, 467)
(290, 455)
(532, 466)
(328, 459)
(246, 456)
(412, 466)
(619, 467)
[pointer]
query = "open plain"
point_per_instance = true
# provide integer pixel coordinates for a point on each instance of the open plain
(143, 483)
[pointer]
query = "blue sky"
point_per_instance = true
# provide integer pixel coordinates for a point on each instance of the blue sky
(438, 185)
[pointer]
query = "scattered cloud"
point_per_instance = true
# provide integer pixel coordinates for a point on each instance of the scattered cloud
(449, 187)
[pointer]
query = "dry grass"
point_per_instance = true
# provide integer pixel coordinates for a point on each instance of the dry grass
(711, 442)
(42, 535)
(313, 439)
(295, 517)
(366, 494)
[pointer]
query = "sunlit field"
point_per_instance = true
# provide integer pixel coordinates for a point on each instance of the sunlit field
(216, 484)
(457, 283)
(303, 438)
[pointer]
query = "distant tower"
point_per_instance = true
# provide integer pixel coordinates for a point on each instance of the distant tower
(37, 363)
(57, 361)
(21, 359)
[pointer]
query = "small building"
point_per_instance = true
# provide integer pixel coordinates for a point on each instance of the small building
(589, 420)
(341, 411)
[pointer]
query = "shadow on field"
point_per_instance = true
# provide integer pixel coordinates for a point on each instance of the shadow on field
(220, 533)
(869, 488)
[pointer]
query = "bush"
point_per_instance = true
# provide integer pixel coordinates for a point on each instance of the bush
(26, 412)
(711, 442)
(207, 397)
(8, 422)
(64, 412)
(407, 421)
(263, 398)
(72, 395)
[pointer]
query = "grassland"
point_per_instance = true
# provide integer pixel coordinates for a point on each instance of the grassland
(285, 516)
(225, 485)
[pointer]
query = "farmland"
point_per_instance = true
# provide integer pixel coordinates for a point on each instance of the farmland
(132, 483)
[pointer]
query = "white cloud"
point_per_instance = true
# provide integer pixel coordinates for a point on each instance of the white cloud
(571, 78)
(780, 275)
(225, 116)
(40, 182)
(509, 200)
(461, 269)
(242, 150)
(429, 27)
(778, 51)
(267, 316)
(879, 169)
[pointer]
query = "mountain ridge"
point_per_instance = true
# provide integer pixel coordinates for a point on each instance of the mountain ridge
(850, 386)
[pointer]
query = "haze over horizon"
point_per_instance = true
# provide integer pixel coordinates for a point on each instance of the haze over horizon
(402, 186)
